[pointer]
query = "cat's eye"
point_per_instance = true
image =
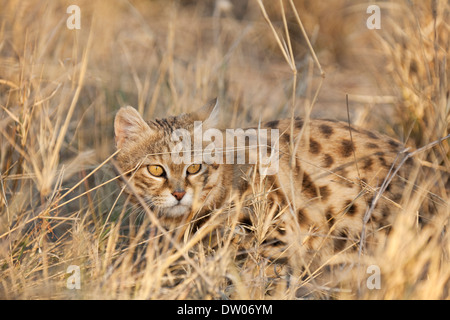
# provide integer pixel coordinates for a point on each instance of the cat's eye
(155, 170)
(194, 168)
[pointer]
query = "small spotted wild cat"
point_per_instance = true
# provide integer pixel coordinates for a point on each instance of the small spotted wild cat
(326, 196)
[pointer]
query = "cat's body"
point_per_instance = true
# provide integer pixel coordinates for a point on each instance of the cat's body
(323, 196)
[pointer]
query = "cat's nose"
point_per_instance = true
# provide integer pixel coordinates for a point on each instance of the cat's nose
(179, 194)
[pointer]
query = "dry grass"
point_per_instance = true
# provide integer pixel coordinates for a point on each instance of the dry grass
(59, 89)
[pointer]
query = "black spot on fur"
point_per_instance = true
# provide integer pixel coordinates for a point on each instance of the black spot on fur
(273, 124)
(385, 213)
(371, 145)
(394, 144)
(342, 171)
(389, 187)
(299, 124)
(370, 202)
(302, 216)
(329, 216)
(286, 137)
(347, 148)
(351, 208)
(308, 186)
(326, 130)
(324, 192)
(397, 197)
(273, 242)
(367, 164)
(409, 161)
(383, 162)
(281, 260)
(370, 134)
(314, 146)
(341, 240)
(246, 221)
(328, 161)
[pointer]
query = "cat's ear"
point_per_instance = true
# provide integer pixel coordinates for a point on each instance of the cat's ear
(128, 126)
(208, 114)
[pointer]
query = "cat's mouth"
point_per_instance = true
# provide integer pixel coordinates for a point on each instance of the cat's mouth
(170, 208)
(175, 211)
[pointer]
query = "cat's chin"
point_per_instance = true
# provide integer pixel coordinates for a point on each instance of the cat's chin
(176, 211)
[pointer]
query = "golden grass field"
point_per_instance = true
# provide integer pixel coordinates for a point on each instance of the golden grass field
(61, 205)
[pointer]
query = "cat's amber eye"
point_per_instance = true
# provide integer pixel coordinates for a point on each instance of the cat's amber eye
(155, 170)
(194, 168)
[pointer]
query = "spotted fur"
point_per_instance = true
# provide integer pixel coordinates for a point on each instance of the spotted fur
(325, 191)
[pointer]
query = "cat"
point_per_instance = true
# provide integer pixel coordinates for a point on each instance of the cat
(337, 187)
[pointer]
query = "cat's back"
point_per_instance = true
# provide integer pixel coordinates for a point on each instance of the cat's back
(330, 175)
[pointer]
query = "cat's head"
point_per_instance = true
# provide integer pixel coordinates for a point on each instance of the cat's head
(171, 190)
